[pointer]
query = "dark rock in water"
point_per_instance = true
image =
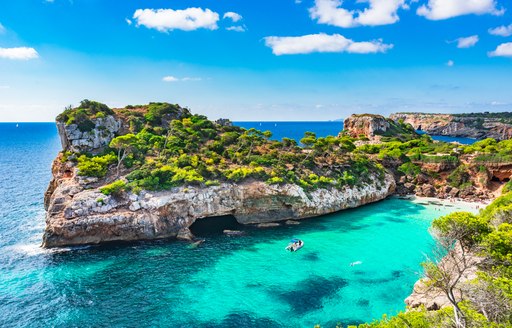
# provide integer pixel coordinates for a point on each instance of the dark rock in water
(268, 225)
(291, 222)
(311, 256)
(363, 302)
(241, 320)
(308, 295)
(233, 232)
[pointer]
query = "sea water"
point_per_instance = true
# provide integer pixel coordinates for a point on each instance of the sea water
(246, 281)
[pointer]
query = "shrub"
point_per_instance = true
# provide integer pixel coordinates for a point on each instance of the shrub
(465, 227)
(95, 166)
(115, 188)
(275, 180)
(409, 169)
(459, 177)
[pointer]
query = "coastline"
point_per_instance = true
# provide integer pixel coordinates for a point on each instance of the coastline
(456, 204)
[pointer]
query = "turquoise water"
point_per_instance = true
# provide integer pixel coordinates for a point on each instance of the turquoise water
(247, 281)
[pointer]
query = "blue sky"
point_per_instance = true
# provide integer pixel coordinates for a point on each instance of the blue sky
(256, 59)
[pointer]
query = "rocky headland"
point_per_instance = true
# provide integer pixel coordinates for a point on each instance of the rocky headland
(477, 126)
(84, 206)
(148, 172)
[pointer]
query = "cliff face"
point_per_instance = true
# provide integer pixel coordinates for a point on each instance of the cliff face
(374, 127)
(366, 125)
(77, 215)
(479, 126)
(75, 140)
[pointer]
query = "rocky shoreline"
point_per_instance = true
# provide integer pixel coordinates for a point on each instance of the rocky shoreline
(78, 215)
(475, 126)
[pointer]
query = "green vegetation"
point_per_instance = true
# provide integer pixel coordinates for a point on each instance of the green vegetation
(83, 114)
(460, 177)
(166, 146)
(115, 188)
(95, 166)
(491, 151)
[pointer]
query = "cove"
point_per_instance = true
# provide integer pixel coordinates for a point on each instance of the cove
(247, 281)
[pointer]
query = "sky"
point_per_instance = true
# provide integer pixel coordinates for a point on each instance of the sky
(256, 60)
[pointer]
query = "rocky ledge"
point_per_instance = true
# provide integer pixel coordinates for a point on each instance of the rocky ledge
(78, 214)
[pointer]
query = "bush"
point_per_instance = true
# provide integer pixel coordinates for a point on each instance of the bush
(95, 166)
(409, 169)
(465, 227)
(459, 177)
(115, 188)
(275, 180)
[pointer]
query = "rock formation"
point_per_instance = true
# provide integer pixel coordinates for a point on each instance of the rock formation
(374, 127)
(477, 126)
(77, 215)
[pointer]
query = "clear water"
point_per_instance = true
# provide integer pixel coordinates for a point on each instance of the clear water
(461, 140)
(247, 281)
(295, 130)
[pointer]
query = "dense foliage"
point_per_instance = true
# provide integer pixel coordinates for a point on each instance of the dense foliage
(166, 146)
(84, 114)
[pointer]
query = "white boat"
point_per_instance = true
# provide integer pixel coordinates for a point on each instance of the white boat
(295, 245)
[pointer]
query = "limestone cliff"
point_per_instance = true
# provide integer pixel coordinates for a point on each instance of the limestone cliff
(477, 126)
(77, 215)
(374, 127)
(197, 169)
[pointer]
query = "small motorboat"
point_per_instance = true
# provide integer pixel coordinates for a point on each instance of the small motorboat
(294, 245)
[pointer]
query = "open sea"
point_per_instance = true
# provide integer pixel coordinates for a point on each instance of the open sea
(247, 281)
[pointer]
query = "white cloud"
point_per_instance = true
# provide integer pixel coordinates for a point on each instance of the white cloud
(236, 28)
(233, 16)
(292, 45)
(165, 20)
(379, 12)
(501, 30)
(450, 63)
(128, 21)
(503, 50)
(19, 53)
(2, 29)
(443, 9)
(467, 42)
(171, 78)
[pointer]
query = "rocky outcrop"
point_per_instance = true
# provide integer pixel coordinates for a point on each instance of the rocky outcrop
(93, 140)
(459, 275)
(366, 125)
(477, 126)
(77, 215)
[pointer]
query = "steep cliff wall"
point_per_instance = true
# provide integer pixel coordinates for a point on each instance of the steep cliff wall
(202, 169)
(477, 126)
(77, 215)
(374, 127)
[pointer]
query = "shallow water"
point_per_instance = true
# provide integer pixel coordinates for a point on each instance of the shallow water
(247, 281)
